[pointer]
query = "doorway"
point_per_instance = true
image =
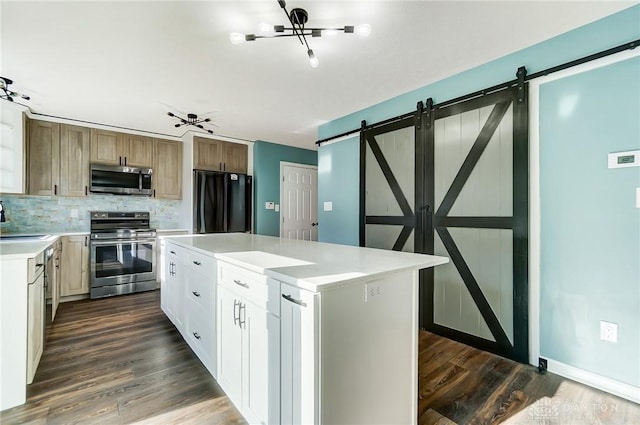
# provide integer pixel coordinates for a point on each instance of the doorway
(298, 201)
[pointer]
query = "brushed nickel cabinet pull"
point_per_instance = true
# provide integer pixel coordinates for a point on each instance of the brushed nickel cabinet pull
(197, 263)
(240, 283)
(293, 300)
(236, 303)
(55, 189)
(196, 293)
(196, 335)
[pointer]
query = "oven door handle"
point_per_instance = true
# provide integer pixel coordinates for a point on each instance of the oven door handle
(121, 241)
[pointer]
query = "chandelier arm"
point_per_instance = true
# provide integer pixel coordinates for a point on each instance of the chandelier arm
(295, 30)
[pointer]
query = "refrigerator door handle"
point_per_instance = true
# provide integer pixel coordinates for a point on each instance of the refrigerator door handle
(202, 228)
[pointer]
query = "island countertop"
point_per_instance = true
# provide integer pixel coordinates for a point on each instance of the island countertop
(314, 266)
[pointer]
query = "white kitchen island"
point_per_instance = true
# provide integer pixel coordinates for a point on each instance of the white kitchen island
(300, 332)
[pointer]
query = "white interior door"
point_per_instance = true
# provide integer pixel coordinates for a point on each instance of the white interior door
(299, 201)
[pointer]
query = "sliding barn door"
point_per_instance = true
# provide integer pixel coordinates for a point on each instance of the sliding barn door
(453, 181)
(477, 202)
(387, 161)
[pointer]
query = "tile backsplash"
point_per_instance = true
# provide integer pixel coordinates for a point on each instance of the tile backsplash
(38, 214)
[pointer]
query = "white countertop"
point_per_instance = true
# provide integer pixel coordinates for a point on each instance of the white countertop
(15, 249)
(313, 266)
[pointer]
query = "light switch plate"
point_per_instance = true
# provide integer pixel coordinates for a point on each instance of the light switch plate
(637, 197)
(328, 206)
(277, 208)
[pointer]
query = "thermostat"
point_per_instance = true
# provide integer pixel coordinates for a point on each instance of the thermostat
(624, 159)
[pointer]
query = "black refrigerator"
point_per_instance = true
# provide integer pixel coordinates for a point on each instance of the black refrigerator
(221, 202)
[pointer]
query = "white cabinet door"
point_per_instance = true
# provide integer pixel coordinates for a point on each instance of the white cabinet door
(176, 291)
(35, 323)
(230, 344)
(166, 294)
(261, 366)
(299, 359)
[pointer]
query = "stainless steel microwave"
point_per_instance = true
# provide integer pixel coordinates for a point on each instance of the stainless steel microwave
(121, 180)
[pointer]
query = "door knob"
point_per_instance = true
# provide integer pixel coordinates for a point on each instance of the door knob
(314, 224)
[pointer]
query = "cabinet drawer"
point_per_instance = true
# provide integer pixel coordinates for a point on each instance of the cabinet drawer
(35, 266)
(174, 252)
(201, 290)
(200, 262)
(200, 334)
(247, 284)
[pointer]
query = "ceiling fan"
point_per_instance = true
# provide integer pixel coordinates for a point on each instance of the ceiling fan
(9, 94)
(192, 119)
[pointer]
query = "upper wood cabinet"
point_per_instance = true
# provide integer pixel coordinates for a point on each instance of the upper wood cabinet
(137, 151)
(74, 160)
(167, 169)
(110, 147)
(216, 155)
(44, 157)
(58, 159)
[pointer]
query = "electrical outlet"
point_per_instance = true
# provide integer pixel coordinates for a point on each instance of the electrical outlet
(608, 331)
(542, 365)
(371, 290)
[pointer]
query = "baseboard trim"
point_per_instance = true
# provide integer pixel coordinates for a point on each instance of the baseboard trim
(594, 380)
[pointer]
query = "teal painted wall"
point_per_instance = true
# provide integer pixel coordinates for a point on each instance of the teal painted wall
(590, 227)
(266, 181)
(338, 182)
(596, 232)
(611, 31)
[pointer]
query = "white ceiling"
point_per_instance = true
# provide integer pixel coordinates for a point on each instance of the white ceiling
(128, 63)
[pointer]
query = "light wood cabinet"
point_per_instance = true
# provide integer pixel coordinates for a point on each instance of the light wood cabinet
(52, 271)
(74, 276)
(110, 147)
(216, 155)
(44, 158)
(105, 147)
(167, 169)
(58, 159)
(235, 158)
(136, 151)
(74, 160)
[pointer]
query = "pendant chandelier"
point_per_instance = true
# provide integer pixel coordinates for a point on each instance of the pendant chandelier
(298, 19)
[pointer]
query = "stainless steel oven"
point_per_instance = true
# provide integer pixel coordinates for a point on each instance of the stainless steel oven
(123, 252)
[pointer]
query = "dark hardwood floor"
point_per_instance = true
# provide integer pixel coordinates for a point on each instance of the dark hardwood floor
(120, 361)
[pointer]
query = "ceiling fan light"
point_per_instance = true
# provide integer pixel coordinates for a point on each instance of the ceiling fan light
(237, 38)
(313, 60)
(363, 30)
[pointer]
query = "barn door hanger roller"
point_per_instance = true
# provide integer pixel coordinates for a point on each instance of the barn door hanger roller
(298, 19)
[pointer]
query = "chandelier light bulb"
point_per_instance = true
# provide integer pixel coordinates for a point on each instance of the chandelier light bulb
(313, 60)
(266, 29)
(363, 30)
(237, 38)
(330, 32)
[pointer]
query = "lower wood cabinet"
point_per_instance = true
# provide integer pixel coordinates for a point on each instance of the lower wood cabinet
(74, 265)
